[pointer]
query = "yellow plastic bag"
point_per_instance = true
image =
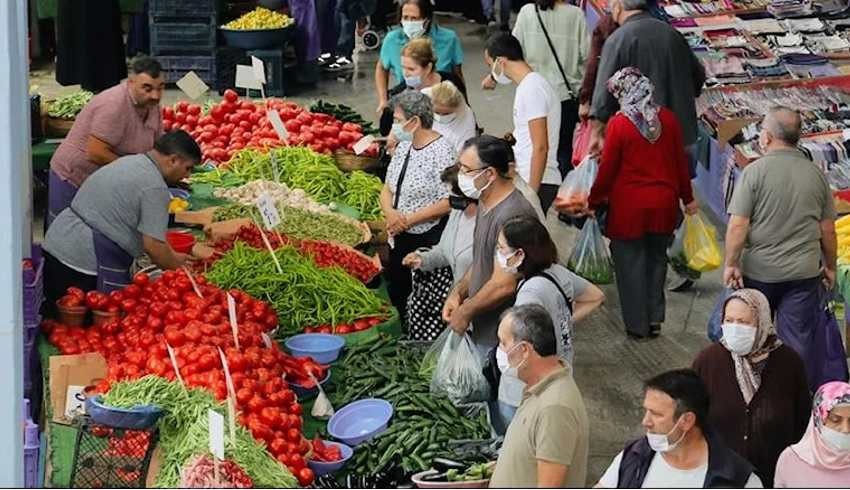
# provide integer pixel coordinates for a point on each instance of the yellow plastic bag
(701, 248)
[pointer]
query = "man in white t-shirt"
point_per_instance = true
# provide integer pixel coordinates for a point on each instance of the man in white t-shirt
(679, 449)
(536, 114)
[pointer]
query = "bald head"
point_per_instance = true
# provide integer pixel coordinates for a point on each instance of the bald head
(782, 125)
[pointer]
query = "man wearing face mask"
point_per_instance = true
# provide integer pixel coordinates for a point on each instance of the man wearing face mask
(122, 120)
(485, 291)
(536, 117)
(547, 443)
(781, 234)
(759, 393)
(680, 449)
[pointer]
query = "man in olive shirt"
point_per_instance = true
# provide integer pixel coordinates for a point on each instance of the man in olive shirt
(547, 442)
(781, 234)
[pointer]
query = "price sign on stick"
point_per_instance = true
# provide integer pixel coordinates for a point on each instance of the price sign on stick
(245, 78)
(192, 280)
(268, 211)
(234, 327)
(277, 124)
(266, 340)
(192, 85)
(216, 430)
(363, 144)
(259, 69)
(231, 404)
(174, 363)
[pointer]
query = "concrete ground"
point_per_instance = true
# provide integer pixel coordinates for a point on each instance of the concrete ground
(609, 368)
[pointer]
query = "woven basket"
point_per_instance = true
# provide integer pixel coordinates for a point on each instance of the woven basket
(348, 162)
(57, 128)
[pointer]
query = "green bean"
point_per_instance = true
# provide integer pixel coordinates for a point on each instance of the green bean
(68, 106)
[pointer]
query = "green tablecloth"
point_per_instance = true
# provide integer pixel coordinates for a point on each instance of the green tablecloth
(61, 438)
(41, 155)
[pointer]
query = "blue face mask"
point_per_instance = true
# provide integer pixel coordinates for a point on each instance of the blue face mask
(413, 82)
(400, 134)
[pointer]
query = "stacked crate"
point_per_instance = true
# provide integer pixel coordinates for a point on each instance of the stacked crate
(183, 35)
(32, 271)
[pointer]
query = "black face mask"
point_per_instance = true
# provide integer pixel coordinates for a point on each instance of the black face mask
(459, 202)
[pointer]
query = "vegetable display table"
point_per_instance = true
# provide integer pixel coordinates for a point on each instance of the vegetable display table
(42, 153)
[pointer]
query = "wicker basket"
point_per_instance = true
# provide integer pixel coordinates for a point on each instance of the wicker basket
(348, 162)
(57, 128)
(379, 232)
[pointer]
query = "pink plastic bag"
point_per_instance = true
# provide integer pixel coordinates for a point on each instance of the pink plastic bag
(581, 142)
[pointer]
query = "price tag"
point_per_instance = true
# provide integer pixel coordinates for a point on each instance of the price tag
(268, 211)
(216, 430)
(192, 280)
(266, 340)
(75, 401)
(363, 144)
(174, 363)
(192, 85)
(245, 78)
(271, 250)
(231, 310)
(277, 124)
(231, 404)
(259, 69)
(275, 167)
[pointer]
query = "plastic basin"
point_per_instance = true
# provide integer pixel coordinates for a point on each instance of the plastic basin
(304, 393)
(140, 417)
(179, 193)
(257, 38)
(104, 317)
(323, 348)
(73, 316)
(180, 241)
(321, 468)
(360, 421)
(417, 480)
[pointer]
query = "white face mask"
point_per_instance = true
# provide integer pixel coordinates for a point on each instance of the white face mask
(503, 259)
(500, 78)
(467, 185)
(739, 338)
(838, 441)
(503, 362)
(445, 118)
(413, 28)
(400, 133)
(660, 443)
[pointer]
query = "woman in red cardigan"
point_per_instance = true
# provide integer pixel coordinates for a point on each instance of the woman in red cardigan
(643, 176)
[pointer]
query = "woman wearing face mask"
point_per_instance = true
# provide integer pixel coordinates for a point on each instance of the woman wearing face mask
(413, 199)
(525, 248)
(453, 252)
(420, 73)
(453, 117)
(760, 399)
(822, 458)
(417, 20)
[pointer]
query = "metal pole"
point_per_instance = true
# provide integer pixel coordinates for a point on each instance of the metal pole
(14, 158)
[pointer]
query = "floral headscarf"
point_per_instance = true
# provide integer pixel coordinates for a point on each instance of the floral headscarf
(748, 368)
(634, 93)
(812, 449)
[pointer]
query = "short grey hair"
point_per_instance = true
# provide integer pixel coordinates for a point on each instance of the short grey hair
(784, 124)
(634, 4)
(532, 323)
(415, 103)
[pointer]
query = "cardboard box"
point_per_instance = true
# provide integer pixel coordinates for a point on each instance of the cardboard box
(66, 372)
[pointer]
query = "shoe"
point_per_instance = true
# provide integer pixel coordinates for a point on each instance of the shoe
(341, 64)
(638, 337)
(655, 330)
(491, 22)
(324, 59)
(679, 284)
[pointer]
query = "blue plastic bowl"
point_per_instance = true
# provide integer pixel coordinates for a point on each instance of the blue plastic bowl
(322, 347)
(321, 468)
(305, 393)
(139, 417)
(176, 192)
(360, 421)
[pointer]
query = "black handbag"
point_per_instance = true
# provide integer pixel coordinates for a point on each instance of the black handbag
(425, 304)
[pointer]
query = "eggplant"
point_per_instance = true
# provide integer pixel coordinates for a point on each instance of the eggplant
(444, 464)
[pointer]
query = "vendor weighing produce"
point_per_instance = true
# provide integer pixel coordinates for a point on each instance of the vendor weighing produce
(123, 120)
(119, 212)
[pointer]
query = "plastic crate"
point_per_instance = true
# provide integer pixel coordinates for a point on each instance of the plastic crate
(226, 60)
(175, 67)
(108, 457)
(183, 8)
(175, 35)
(33, 288)
(273, 60)
(31, 457)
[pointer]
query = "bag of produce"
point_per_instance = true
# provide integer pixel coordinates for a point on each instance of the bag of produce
(457, 374)
(700, 242)
(581, 142)
(575, 190)
(200, 473)
(591, 259)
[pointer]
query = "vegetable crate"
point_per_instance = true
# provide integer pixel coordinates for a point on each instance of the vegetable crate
(183, 8)
(273, 61)
(181, 35)
(175, 67)
(109, 457)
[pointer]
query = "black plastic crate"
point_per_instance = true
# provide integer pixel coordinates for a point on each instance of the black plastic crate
(273, 61)
(172, 36)
(175, 67)
(183, 8)
(108, 457)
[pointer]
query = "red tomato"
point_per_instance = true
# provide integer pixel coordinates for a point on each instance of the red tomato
(305, 477)
(193, 109)
(167, 112)
(230, 95)
(192, 120)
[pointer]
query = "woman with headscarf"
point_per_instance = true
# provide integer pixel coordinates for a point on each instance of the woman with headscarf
(822, 457)
(759, 393)
(643, 177)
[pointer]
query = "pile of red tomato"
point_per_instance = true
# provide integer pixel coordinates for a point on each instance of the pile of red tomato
(346, 328)
(168, 311)
(234, 124)
(328, 453)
